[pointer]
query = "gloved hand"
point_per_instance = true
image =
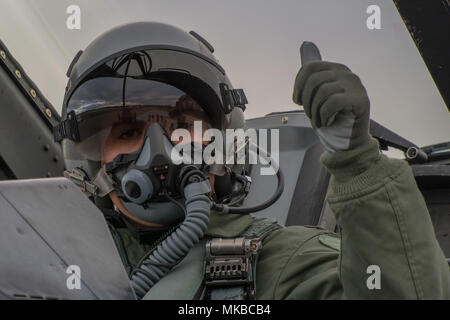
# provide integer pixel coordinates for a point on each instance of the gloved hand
(336, 102)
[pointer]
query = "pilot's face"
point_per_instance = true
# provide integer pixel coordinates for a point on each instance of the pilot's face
(128, 137)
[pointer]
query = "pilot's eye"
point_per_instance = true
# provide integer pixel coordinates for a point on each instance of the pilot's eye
(130, 133)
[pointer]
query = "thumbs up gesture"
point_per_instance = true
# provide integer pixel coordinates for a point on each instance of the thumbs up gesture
(334, 99)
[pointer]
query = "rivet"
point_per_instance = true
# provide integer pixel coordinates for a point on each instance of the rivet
(18, 74)
(3, 54)
(48, 112)
(33, 93)
(284, 120)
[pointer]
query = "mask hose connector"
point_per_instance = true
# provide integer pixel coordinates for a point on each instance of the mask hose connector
(223, 208)
(173, 249)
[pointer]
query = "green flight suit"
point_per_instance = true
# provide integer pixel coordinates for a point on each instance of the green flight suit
(383, 221)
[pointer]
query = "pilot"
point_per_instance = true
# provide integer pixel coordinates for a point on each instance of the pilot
(182, 231)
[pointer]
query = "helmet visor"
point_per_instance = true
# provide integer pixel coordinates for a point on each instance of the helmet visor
(121, 108)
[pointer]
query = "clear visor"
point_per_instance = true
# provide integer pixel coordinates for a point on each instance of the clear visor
(114, 113)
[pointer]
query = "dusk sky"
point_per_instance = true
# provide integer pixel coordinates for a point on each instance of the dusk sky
(257, 42)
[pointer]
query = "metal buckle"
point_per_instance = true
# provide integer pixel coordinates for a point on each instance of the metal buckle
(67, 129)
(80, 179)
(232, 98)
(229, 262)
(239, 97)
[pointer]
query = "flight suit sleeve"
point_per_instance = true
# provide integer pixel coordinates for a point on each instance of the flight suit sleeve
(388, 245)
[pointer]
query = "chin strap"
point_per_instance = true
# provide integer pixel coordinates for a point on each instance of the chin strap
(101, 185)
(104, 182)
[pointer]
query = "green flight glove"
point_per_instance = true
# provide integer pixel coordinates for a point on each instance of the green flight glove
(336, 102)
